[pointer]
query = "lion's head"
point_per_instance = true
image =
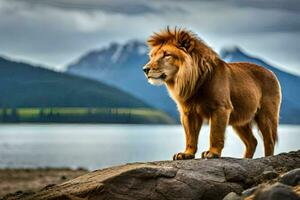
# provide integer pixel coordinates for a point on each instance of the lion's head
(179, 58)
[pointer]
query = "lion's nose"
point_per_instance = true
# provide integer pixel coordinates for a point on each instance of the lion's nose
(146, 69)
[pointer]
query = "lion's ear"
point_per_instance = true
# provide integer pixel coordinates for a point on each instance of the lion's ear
(185, 41)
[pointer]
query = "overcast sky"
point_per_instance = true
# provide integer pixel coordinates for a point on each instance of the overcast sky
(57, 32)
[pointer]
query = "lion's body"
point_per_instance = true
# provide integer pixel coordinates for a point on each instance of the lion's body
(207, 88)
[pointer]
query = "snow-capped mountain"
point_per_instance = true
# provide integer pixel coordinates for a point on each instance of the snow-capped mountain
(111, 57)
(121, 65)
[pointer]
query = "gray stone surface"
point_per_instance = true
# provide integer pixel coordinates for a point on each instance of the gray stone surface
(179, 180)
(291, 178)
(249, 191)
(268, 175)
(232, 196)
(277, 191)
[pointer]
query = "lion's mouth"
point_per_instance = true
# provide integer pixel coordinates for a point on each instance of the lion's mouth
(162, 77)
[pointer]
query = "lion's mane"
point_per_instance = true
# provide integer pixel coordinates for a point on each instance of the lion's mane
(199, 64)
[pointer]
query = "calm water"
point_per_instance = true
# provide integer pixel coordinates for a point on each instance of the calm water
(97, 146)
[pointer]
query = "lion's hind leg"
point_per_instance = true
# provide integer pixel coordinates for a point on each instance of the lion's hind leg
(267, 122)
(246, 135)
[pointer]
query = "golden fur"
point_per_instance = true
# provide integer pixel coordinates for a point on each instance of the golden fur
(207, 88)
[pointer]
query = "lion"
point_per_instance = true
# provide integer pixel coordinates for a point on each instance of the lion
(206, 88)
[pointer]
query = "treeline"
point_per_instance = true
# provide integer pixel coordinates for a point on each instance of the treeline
(83, 115)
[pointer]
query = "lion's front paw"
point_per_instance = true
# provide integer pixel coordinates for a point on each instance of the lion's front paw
(209, 155)
(183, 156)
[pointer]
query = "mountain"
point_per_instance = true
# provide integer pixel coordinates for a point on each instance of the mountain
(26, 86)
(290, 84)
(121, 66)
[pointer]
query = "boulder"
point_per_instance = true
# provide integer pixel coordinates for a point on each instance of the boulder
(291, 178)
(188, 179)
(232, 196)
(248, 192)
(277, 191)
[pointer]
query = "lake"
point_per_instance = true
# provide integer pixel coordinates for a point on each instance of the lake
(94, 146)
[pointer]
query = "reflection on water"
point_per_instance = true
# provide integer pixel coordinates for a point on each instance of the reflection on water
(97, 146)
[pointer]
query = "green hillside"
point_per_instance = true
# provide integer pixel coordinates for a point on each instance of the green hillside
(84, 115)
(49, 96)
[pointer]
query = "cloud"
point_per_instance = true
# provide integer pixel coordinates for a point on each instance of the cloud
(288, 5)
(130, 7)
(56, 32)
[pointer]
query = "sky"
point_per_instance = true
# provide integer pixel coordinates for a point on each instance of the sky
(54, 33)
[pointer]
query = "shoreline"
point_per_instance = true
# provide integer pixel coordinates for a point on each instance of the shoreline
(26, 180)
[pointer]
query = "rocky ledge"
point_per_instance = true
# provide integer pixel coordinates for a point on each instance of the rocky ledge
(274, 177)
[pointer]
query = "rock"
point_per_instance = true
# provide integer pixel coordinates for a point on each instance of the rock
(268, 175)
(278, 191)
(232, 196)
(187, 179)
(291, 178)
(249, 191)
(48, 186)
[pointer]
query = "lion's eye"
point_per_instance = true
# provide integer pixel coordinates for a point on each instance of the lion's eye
(167, 55)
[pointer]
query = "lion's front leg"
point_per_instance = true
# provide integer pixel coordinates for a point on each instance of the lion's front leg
(192, 124)
(218, 122)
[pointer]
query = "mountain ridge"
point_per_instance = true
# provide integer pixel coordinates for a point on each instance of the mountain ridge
(24, 86)
(12, 75)
(226, 51)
